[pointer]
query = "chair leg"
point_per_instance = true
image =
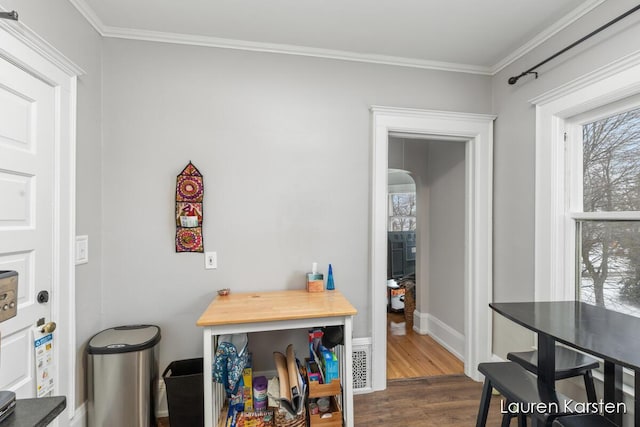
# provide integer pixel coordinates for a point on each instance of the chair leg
(589, 387)
(485, 401)
(522, 420)
(506, 419)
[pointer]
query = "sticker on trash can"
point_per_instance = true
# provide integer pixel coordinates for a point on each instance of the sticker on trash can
(44, 364)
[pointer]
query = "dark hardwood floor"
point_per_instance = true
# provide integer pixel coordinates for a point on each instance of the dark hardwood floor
(444, 401)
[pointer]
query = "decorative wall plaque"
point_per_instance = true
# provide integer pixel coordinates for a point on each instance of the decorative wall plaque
(189, 196)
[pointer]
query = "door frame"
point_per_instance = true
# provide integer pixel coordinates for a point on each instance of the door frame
(28, 51)
(477, 129)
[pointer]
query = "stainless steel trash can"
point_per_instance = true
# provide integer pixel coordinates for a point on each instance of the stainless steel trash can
(122, 371)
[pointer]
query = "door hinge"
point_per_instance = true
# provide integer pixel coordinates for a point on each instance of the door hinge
(565, 137)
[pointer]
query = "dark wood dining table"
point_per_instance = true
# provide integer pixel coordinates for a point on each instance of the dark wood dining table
(607, 334)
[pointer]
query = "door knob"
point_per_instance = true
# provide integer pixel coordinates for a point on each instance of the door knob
(49, 327)
(43, 296)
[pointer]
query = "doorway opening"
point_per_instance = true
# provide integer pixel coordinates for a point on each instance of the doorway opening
(477, 130)
(425, 256)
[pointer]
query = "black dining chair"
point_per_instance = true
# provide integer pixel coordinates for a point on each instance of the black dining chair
(588, 420)
(521, 387)
(569, 363)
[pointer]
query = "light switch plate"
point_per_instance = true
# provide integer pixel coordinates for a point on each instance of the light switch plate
(210, 260)
(82, 249)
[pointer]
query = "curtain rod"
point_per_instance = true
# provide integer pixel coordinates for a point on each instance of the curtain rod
(513, 80)
(13, 15)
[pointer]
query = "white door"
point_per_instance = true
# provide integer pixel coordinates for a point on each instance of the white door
(27, 138)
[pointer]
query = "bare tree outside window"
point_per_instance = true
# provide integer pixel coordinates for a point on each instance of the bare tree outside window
(402, 211)
(610, 250)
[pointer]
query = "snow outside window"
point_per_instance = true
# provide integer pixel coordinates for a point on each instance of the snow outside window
(603, 174)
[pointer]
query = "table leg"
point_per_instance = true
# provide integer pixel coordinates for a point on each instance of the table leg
(347, 380)
(636, 400)
(547, 365)
(613, 389)
(208, 386)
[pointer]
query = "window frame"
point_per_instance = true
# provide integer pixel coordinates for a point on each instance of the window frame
(559, 113)
(574, 182)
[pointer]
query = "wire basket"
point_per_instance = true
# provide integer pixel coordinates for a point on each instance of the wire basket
(285, 419)
(409, 301)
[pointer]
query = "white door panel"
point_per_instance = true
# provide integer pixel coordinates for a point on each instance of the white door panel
(15, 119)
(22, 262)
(27, 138)
(16, 206)
(15, 373)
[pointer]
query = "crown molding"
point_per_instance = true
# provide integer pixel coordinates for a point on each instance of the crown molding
(164, 37)
(188, 39)
(90, 15)
(546, 34)
(207, 41)
(26, 35)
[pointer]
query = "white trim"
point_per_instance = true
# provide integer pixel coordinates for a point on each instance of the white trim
(89, 14)
(194, 40)
(25, 49)
(161, 405)
(27, 36)
(496, 358)
(608, 70)
(406, 135)
(546, 34)
(477, 129)
(79, 418)
(361, 342)
(208, 41)
(606, 216)
(442, 333)
(554, 250)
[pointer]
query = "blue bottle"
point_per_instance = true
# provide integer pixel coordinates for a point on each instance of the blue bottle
(330, 285)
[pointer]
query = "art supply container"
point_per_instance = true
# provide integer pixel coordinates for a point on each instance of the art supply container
(260, 393)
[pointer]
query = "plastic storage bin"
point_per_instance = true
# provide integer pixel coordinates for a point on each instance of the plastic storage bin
(122, 373)
(185, 392)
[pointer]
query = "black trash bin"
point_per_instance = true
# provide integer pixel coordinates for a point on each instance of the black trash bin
(185, 392)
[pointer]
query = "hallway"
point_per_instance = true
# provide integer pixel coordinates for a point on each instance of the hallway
(413, 355)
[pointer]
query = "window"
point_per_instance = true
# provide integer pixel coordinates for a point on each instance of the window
(402, 211)
(566, 117)
(585, 207)
(605, 205)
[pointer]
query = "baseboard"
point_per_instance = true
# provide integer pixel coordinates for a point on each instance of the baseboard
(161, 408)
(79, 416)
(445, 335)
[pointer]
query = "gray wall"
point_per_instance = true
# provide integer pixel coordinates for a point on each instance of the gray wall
(438, 167)
(58, 22)
(446, 182)
(284, 146)
(514, 149)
